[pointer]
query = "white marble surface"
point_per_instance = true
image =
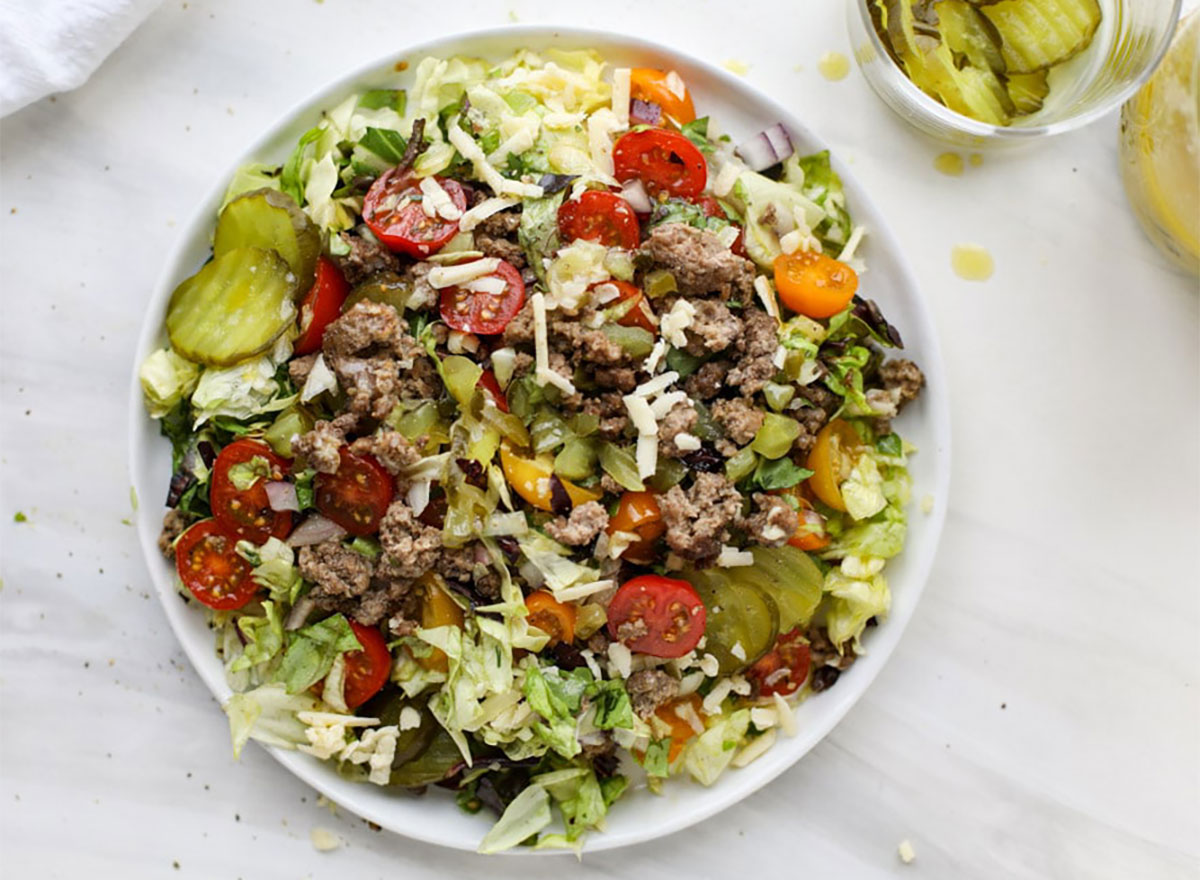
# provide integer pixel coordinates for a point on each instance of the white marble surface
(1041, 716)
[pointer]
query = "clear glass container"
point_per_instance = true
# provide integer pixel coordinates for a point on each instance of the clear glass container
(1160, 150)
(1127, 47)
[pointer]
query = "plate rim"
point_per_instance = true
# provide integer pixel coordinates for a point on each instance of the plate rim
(835, 704)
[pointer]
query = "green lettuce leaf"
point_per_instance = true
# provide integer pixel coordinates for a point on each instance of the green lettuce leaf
(655, 761)
(856, 592)
(538, 232)
(242, 391)
(311, 652)
(263, 638)
(613, 707)
(268, 714)
(707, 757)
(526, 816)
(815, 177)
(166, 379)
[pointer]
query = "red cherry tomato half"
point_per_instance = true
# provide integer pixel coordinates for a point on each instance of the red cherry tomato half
(395, 212)
(247, 512)
(358, 495)
(712, 208)
(366, 670)
(599, 216)
(481, 312)
(665, 161)
(211, 569)
(320, 306)
(655, 615)
(639, 315)
(491, 385)
(784, 669)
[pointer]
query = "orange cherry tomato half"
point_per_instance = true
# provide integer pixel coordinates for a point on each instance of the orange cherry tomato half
(653, 86)
(681, 729)
(357, 496)
(656, 615)
(784, 669)
(211, 569)
(320, 306)
(477, 311)
(552, 617)
(599, 216)
(394, 211)
(366, 670)
(665, 162)
(246, 513)
(639, 314)
(814, 284)
(638, 512)
(810, 531)
(831, 460)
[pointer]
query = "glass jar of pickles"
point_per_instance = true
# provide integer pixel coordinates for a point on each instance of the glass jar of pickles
(1160, 150)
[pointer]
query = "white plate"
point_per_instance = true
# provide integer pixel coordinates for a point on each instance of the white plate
(740, 111)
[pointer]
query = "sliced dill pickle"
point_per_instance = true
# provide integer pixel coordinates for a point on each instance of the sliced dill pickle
(1028, 91)
(1041, 33)
(971, 35)
(233, 308)
(791, 578)
(382, 287)
(269, 219)
(743, 620)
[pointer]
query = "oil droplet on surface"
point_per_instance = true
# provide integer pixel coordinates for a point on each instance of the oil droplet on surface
(834, 66)
(736, 66)
(950, 164)
(972, 262)
(976, 159)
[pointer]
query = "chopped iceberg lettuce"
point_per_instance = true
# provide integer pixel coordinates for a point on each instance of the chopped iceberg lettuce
(166, 380)
(858, 591)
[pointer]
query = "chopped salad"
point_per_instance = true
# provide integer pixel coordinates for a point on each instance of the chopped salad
(532, 439)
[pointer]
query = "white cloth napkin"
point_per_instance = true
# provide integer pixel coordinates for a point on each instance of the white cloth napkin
(49, 46)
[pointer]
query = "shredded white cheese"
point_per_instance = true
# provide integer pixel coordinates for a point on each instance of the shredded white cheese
(687, 712)
(756, 748)
(418, 496)
(728, 236)
(690, 683)
(712, 702)
(676, 85)
(647, 455)
(641, 414)
(543, 374)
(738, 651)
(732, 557)
(787, 716)
(906, 852)
(410, 718)
(620, 95)
(650, 364)
(766, 293)
(452, 276)
(621, 659)
(604, 293)
(489, 284)
(764, 717)
(687, 442)
(710, 665)
(471, 151)
(436, 202)
(324, 840)
(677, 320)
(659, 383)
(474, 216)
(666, 402)
(564, 120)
(600, 127)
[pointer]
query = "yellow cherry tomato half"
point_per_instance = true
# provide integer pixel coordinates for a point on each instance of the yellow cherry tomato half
(814, 284)
(831, 460)
(437, 609)
(530, 478)
(655, 87)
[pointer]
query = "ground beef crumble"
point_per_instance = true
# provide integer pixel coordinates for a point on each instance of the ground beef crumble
(739, 417)
(366, 258)
(700, 264)
(585, 522)
(707, 382)
(174, 525)
(714, 328)
(346, 581)
(773, 521)
(299, 367)
(410, 547)
(496, 236)
(680, 420)
(759, 342)
(610, 409)
(390, 448)
(319, 447)
(699, 519)
(650, 688)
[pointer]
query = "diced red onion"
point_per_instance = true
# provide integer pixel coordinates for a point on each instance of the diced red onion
(635, 193)
(299, 613)
(314, 530)
(281, 495)
(644, 112)
(769, 147)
